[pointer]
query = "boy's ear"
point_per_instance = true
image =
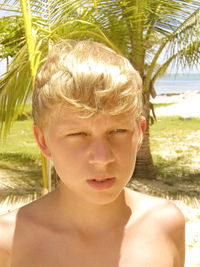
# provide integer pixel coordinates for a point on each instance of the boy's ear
(143, 128)
(143, 124)
(39, 136)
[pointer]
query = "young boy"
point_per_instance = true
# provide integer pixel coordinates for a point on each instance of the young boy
(87, 119)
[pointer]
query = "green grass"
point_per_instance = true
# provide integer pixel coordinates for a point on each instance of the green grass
(170, 125)
(20, 162)
(20, 141)
(175, 147)
(159, 105)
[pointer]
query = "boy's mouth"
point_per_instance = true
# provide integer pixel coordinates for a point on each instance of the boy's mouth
(102, 180)
(101, 183)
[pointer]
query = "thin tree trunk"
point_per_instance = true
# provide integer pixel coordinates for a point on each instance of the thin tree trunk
(144, 164)
(7, 63)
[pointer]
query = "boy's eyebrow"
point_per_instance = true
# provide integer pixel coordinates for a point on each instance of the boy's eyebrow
(71, 125)
(74, 122)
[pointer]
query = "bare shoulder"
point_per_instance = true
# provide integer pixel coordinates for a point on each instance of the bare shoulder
(168, 217)
(165, 212)
(7, 229)
(161, 211)
(15, 227)
(168, 220)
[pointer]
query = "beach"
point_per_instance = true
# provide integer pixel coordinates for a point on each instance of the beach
(185, 105)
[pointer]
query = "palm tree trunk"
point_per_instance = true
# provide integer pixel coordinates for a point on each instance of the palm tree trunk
(144, 164)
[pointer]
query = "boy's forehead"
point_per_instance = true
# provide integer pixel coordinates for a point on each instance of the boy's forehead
(66, 117)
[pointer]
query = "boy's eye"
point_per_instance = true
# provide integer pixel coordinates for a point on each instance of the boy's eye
(119, 131)
(77, 134)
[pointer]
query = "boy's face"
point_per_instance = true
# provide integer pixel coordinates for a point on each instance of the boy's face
(94, 157)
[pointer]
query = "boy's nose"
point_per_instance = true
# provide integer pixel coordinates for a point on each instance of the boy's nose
(101, 152)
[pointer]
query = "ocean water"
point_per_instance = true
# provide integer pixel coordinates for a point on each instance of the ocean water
(178, 83)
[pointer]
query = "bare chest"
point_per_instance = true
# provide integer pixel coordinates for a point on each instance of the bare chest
(67, 250)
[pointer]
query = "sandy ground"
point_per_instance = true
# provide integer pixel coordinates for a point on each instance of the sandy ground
(185, 105)
(192, 234)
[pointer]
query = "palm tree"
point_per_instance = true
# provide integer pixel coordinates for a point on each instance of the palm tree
(153, 35)
(44, 23)
(145, 31)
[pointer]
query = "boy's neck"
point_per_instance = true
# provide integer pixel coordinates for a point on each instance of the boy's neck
(89, 217)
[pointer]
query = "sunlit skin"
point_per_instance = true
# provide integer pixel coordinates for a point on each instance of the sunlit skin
(92, 219)
(84, 149)
(87, 148)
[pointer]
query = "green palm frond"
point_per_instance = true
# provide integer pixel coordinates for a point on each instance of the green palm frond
(142, 29)
(42, 22)
(187, 57)
(185, 36)
(13, 95)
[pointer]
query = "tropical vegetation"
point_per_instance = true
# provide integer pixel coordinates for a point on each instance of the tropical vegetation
(12, 33)
(153, 34)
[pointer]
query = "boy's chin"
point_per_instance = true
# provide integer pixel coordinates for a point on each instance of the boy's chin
(103, 198)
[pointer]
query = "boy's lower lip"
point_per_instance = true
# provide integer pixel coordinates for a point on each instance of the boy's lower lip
(101, 184)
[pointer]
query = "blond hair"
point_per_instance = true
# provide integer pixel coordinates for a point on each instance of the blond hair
(88, 77)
